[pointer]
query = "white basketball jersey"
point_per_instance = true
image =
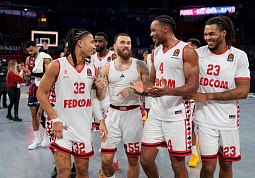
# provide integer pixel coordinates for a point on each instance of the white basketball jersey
(119, 80)
(99, 63)
(218, 73)
(149, 64)
(73, 100)
(169, 64)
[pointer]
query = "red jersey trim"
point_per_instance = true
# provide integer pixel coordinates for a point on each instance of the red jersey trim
(229, 158)
(154, 145)
(58, 70)
(95, 70)
(108, 151)
(59, 148)
(170, 48)
(86, 155)
(133, 154)
(220, 53)
(100, 59)
(180, 153)
(242, 78)
(183, 52)
(79, 71)
(209, 157)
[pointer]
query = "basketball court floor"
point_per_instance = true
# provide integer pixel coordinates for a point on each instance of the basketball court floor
(16, 161)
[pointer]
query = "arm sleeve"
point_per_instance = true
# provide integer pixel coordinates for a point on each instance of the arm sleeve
(37, 74)
(96, 109)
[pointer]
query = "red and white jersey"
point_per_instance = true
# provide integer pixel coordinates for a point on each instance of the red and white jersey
(169, 64)
(73, 101)
(119, 80)
(218, 73)
(99, 63)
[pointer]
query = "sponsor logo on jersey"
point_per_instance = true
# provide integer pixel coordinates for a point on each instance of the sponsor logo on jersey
(65, 71)
(73, 103)
(178, 112)
(232, 116)
(213, 83)
(176, 52)
(109, 59)
(170, 83)
(230, 57)
(122, 76)
(89, 73)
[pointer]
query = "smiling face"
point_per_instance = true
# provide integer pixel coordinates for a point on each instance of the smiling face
(123, 47)
(214, 37)
(100, 43)
(157, 33)
(87, 45)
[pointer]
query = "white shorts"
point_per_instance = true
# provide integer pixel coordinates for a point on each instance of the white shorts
(78, 150)
(222, 143)
(176, 136)
(126, 124)
(148, 103)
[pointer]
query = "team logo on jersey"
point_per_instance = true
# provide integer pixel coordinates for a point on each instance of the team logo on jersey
(176, 52)
(230, 57)
(178, 112)
(89, 73)
(232, 116)
(65, 71)
(122, 76)
(109, 59)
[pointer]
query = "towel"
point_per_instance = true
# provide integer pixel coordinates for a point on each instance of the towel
(38, 68)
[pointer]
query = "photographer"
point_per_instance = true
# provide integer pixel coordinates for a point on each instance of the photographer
(3, 83)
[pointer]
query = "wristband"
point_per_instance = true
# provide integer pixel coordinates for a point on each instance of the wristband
(58, 120)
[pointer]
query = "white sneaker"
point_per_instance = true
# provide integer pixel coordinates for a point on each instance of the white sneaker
(36, 143)
(46, 141)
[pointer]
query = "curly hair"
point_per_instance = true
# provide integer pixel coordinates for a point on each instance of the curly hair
(71, 39)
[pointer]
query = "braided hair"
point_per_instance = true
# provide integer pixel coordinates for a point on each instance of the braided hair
(71, 39)
(224, 23)
(166, 20)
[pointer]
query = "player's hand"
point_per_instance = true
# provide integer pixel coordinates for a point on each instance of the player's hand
(103, 130)
(198, 97)
(25, 70)
(138, 86)
(158, 91)
(100, 84)
(57, 129)
(39, 114)
(126, 92)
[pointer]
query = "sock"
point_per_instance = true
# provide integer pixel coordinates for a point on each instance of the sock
(194, 149)
(112, 176)
(115, 158)
(37, 134)
(45, 133)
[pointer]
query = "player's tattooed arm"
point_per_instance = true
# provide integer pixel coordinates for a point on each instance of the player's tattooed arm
(240, 92)
(143, 70)
(102, 82)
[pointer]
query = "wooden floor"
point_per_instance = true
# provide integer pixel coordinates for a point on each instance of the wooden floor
(16, 161)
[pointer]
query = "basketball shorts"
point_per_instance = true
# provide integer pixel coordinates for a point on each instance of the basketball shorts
(123, 123)
(78, 150)
(222, 143)
(32, 101)
(148, 103)
(175, 135)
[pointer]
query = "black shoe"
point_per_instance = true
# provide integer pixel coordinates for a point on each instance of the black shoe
(17, 119)
(54, 173)
(9, 117)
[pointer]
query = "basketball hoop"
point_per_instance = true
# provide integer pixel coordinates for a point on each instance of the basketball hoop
(45, 46)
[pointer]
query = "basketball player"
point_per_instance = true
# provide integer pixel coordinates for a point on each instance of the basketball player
(36, 65)
(174, 73)
(101, 57)
(194, 160)
(224, 79)
(72, 78)
(123, 118)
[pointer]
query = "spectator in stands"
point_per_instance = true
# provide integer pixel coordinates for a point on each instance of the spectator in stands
(14, 79)
(3, 83)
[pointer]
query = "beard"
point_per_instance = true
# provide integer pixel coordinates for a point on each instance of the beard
(33, 55)
(218, 42)
(99, 49)
(124, 55)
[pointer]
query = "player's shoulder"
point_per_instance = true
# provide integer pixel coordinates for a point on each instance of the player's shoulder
(202, 49)
(235, 50)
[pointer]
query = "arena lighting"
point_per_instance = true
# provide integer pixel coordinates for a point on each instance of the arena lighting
(207, 10)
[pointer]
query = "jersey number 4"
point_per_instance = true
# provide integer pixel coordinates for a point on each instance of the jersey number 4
(79, 88)
(161, 69)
